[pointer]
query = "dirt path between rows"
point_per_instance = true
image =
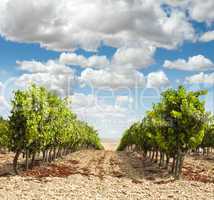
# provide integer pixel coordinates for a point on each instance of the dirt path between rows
(93, 163)
(106, 174)
(132, 165)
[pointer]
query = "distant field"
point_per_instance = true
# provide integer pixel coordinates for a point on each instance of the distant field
(110, 144)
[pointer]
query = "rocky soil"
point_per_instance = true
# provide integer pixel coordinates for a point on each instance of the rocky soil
(90, 174)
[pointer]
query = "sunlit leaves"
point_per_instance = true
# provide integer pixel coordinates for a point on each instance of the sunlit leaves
(41, 120)
(173, 126)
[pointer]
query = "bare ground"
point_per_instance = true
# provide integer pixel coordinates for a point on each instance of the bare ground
(91, 174)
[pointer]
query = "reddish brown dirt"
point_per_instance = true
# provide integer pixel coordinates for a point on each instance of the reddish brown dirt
(121, 164)
(115, 164)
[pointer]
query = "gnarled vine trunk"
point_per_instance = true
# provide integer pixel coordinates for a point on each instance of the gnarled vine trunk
(15, 161)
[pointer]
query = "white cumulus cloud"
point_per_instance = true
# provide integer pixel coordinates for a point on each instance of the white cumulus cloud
(4, 104)
(201, 78)
(195, 63)
(2, 99)
(54, 76)
(207, 36)
(137, 57)
(79, 60)
(157, 80)
(123, 100)
(112, 79)
(202, 11)
(198, 10)
(67, 25)
(79, 100)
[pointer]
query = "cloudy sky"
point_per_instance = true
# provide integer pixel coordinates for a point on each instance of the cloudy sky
(111, 57)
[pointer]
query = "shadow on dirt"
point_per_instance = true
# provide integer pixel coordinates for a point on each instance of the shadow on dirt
(136, 167)
(198, 157)
(148, 170)
(131, 165)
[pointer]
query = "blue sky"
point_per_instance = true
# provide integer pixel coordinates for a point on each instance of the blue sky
(112, 63)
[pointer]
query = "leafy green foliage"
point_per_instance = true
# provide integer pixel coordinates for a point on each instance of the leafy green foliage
(41, 121)
(4, 133)
(208, 140)
(172, 127)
